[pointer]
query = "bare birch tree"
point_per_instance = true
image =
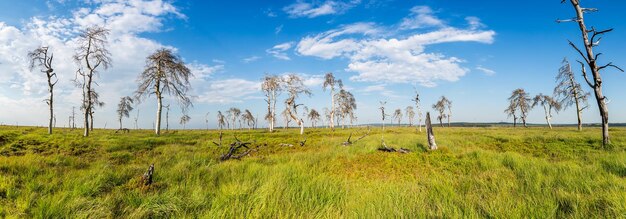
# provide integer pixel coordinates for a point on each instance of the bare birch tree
(294, 85)
(398, 115)
(184, 120)
(549, 104)
(248, 118)
(42, 59)
(124, 108)
(90, 55)
(272, 88)
(416, 99)
(511, 111)
(314, 116)
(346, 105)
(286, 117)
(410, 114)
(383, 114)
(221, 120)
(591, 61)
(440, 106)
(520, 99)
(165, 73)
(233, 115)
(331, 83)
(569, 92)
(95, 102)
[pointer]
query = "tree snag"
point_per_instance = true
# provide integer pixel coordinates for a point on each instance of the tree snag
(430, 135)
(590, 60)
(147, 177)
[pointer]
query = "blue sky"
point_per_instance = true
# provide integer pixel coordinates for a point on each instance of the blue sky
(473, 52)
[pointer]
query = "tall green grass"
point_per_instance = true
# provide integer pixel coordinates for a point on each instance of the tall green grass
(477, 172)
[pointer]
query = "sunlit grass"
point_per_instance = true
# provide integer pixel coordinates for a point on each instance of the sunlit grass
(477, 172)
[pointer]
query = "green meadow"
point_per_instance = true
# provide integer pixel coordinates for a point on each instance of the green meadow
(492, 172)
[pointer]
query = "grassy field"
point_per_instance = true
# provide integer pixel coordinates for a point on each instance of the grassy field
(477, 172)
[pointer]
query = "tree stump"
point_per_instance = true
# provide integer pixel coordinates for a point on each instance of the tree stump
(147, 177)
(430, 135)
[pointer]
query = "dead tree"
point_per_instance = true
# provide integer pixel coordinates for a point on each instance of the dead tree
(591, 61)
(549, 104)
(233, 113)
(347, 105)
(331, 82)
(184, 120)
(165, 73)
(569, 92)
(91, 54)
(440, 106)
(221, 120)
(295, 87)
(314, 116)
(271, 87)
(124, 108)
(410, 114)
(419, 110)
(206, 120)
(248, 119)
(398, 115)
(511, 111)
(40, 58)
(350, 142)
(234, 150)
(147, 176)
(520, 99)
(429, 133)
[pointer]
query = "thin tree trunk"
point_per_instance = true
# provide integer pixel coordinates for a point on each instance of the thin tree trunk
(157, 127)
(87, 107)
(591, 61)
(547, 116)
(50, 103)
(91, 121)
(332, 108)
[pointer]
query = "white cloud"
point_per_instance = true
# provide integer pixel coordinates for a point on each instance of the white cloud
(397, 59)
(229, 91)
(421, 17)
(487, 71)
(279, 50)
(313, 9)
(203, 71)
(326, 46)
(251, 59)
(379, 89)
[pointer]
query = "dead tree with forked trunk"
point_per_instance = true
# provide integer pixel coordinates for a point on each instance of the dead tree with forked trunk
(591, 61)
(42, 58)
(272, 88)
(165, 73)
(330, 82)
(549, 104)
(569, 92)
(416, 99)
(90, 55)
(294, 85)
(520, 100)
(398, 115)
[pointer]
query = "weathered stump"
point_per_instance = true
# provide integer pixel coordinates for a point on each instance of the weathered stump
(430, 135)
(147, 177)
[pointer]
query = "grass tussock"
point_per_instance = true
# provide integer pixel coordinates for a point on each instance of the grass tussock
(477, 172)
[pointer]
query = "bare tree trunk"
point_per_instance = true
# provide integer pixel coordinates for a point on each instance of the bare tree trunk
(157, 127)
(301, 123)
(591, 61)
(514, 121)
(332, 108)
(430, 135)
(91, 121)
(547, 116)
(87, 104)
(51, 109)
